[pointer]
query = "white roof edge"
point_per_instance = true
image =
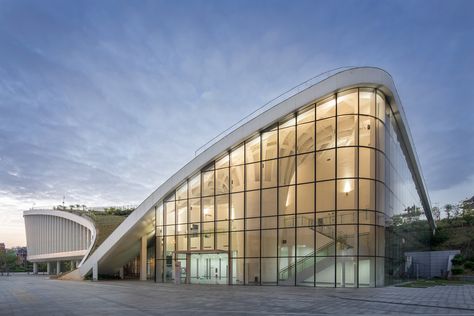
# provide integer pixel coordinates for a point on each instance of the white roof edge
(358, 76)
(72, 217)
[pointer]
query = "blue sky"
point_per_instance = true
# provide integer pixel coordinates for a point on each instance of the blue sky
(101, 101)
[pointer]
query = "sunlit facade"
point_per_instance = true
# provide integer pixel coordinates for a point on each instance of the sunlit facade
(309, 192)
(305, 201)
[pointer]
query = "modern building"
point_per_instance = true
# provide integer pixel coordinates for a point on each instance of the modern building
(55, 237)
(302, 194)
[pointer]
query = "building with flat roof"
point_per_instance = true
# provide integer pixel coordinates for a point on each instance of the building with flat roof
(304, 193)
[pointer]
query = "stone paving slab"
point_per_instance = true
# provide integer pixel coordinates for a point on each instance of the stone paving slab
(38, 295)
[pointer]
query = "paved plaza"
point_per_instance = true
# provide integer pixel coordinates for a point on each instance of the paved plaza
(39, 295)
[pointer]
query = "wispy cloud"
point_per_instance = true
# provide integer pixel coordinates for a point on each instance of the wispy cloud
(103, 101)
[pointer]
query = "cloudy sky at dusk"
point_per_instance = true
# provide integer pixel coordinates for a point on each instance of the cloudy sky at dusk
(102, 101)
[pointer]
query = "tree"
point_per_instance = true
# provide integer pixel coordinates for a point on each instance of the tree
(456, 211)
(448, 208)
(436, 212)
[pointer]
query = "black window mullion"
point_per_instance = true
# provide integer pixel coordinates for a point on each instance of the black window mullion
(335, 197)
(295, 217)
(314, 205)
(278, 203)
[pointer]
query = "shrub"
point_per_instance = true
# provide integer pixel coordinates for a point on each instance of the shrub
(457, 271)
(469, 265)
(458, 260)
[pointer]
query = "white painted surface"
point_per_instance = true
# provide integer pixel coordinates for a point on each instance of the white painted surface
(58, 235)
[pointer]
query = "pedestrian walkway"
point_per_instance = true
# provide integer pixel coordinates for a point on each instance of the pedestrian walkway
(38, 295)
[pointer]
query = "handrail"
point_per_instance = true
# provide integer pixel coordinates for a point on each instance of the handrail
(308, 256)
(270, 104)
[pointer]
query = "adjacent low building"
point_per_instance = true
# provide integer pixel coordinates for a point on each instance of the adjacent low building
(304, 193)
(54, 237)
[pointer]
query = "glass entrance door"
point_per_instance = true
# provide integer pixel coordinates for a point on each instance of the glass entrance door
(209, 268)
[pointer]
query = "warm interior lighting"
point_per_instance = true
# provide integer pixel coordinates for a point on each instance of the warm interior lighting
(232, 213)
(326, 106)
(347, 187)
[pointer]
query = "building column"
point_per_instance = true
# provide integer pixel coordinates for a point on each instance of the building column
(95, 272)
(143, 257)
(48, 268)
(158, 260)
(35, 267)
(58, 267)
(121, 273)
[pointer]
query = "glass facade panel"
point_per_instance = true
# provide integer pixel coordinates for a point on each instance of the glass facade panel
(223, 162)
(269, 173)
(222, 181)
(252, 150)
(367, 102)
(314, 201)
(367, 131)
(325, 164)
(236, 179)
(325, 134)
(326, 108)
(325, 196)
(347, 102)
(237, 156)
(208, 183)
(306, 115)
(305, 198)
(287, 170)
(347, 130)
(305, 168)
(305, 141)
(286, 141)
(269, 202)
(252, 176)
(270, 144)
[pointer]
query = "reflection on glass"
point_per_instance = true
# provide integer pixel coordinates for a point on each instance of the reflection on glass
(367, 101)
(347, 102)
(237, 156)
(252, 150)
(305, 168)
(269, 144)
(306, 115)
(347, 130)
(325, 165)
(325, 134)
(305, 139)
(326, 108)
(287, 141)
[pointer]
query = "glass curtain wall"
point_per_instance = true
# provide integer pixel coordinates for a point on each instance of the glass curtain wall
(304, 202)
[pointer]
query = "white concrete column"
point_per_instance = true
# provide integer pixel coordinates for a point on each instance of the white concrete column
(143, 257)
(58, 267)
(35, 268)
(121, 273)
(95, 272)
(48, 268)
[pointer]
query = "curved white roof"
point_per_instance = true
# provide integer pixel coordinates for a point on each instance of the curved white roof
(123, 243)
(68, 253)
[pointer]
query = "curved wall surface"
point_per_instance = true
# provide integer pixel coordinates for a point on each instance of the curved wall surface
(303, 194)
(57, 235)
